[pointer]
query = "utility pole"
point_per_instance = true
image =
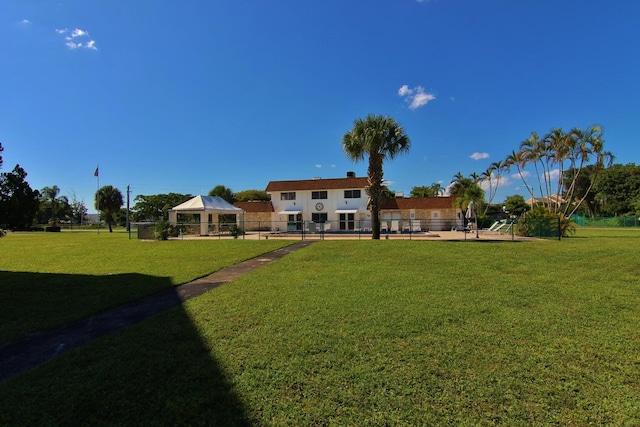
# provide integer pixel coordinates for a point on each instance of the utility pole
(128, 223)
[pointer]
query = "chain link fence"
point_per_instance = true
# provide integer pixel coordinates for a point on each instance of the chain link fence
(603, 222)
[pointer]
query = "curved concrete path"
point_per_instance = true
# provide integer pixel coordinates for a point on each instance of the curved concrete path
(20, 356)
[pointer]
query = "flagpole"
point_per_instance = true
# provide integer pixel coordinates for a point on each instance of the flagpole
(97, 175)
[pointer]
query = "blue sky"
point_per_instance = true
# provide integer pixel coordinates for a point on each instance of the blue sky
(173, 96)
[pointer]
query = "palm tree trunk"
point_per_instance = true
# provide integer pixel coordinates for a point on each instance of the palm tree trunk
(375, 193)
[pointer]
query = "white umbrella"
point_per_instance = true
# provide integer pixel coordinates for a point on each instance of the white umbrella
(469, 214)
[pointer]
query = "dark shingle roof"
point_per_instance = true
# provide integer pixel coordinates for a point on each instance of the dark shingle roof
(317, 184)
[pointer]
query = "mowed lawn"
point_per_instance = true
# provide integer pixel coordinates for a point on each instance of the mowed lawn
(373, 333)
(49, 279)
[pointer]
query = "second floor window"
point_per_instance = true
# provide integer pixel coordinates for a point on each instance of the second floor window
(318, 194)
(352, 194)
(288, 196)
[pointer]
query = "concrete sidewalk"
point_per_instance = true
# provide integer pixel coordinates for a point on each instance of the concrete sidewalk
(20, 356)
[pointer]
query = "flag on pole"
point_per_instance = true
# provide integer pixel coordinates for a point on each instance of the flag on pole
(96, 172)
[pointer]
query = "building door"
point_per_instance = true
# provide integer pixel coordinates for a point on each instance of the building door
(294, 222)
(347, 221)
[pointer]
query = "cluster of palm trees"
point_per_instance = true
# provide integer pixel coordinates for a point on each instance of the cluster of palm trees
(558, 155)
(552, 156)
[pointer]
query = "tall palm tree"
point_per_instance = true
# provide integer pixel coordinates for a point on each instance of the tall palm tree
(436, 189)
(109, 200)
(589, 142)
(532, 152)
(493, 171)
(516, 159)
(380, 138)
(50, 194)
(561, 145)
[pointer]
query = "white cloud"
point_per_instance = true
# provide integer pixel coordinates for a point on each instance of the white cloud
(318, 166)
(333, 166)
(522, 175)
(78, 33)
(26, 21)
(504, 181)
(416, 97)
(76, 39)
(404, 90)
(553, 175)
(479, 156)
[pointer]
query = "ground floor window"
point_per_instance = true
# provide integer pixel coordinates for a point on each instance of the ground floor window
(319, 218)
(347, 221)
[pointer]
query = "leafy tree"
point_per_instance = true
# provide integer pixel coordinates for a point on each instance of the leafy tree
(515, 205)
(223, 192)
(78, 210)
(18, 202)
(617, 189)
(433, 190)
(155, 207)
(108, 201)
(252, 195)
(379, 138)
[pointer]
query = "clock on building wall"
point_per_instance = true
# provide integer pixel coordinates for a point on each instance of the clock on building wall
(319, 206)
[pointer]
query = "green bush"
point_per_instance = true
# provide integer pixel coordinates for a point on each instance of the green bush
(163, 230)
(236, 231)
(539, 222)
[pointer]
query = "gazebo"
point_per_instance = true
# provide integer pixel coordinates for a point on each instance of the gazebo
(208, 208)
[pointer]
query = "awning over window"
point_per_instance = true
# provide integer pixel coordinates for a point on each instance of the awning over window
(346, 211)
(290, 212)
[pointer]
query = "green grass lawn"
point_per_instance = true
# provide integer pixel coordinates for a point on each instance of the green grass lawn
(49, 279)
(373, 333)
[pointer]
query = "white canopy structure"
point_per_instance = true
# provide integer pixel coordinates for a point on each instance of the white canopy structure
(208, 208)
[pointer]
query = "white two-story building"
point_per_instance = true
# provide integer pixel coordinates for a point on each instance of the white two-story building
(334, 204)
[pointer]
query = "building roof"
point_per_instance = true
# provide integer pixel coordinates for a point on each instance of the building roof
(255, 206)
(317, 184)
(418, 203)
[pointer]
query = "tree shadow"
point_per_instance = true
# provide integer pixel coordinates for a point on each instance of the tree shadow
(124, 366)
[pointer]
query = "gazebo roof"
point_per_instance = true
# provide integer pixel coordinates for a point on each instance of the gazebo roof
(207, 203)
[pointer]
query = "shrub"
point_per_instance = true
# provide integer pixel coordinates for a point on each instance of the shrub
(539, 222)
(163, 229)
(236, 231)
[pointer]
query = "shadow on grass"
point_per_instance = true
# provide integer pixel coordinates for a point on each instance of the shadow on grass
(156, 372)
(32, 302)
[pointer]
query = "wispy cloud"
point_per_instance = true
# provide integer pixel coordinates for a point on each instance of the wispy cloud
(504, 181)
(318, 166)
(416, 97)
(553, 174)
(77, 39)
(25, 21)
(521, 175)
(479, 156)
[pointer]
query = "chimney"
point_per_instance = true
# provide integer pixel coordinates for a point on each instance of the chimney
(351, 174)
